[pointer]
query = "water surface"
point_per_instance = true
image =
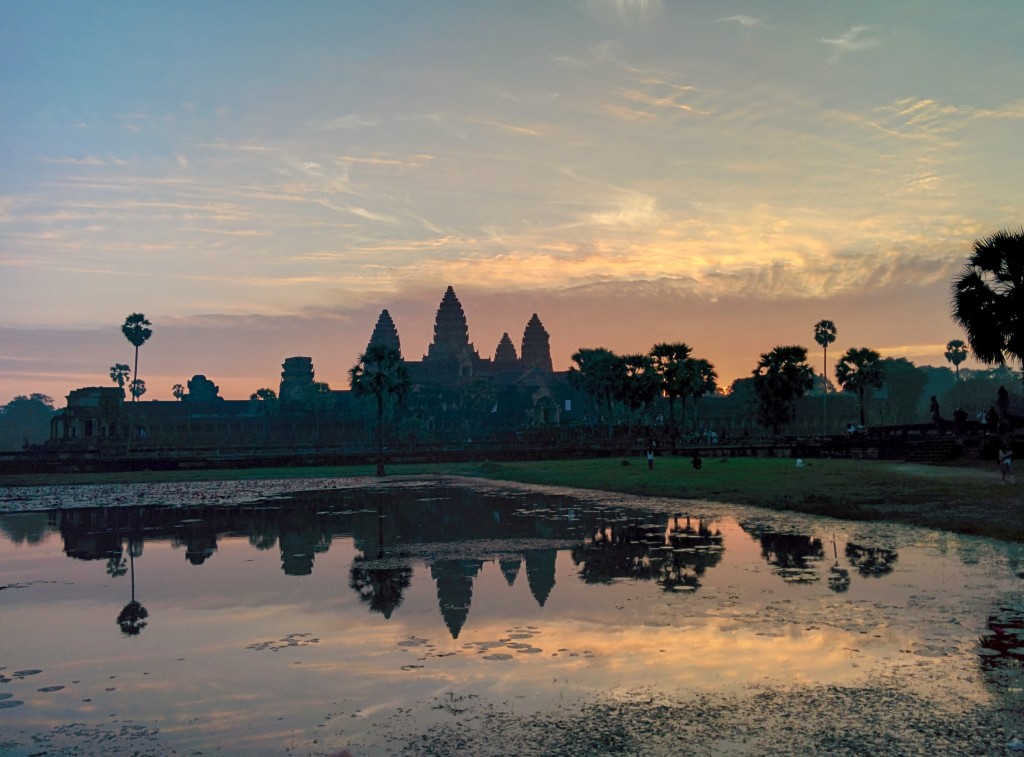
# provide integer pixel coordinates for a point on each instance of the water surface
(304, 621)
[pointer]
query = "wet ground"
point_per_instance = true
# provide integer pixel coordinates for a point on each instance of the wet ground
(426, 618)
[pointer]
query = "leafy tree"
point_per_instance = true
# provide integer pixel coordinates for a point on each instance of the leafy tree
(671, 363)
(597, 372)
(858, 370)
(25, 419)
(782, 376)
(136, 329)
(380, 373)
(178, 391)
(119, 374)
(825, 334)
(264, 402)
(988, 298)
(904, 384)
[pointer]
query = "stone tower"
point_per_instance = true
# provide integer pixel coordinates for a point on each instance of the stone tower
(451, 332)
(536, 351)
(451, 356)
(296, 378)
(505, 356)
(385, 332)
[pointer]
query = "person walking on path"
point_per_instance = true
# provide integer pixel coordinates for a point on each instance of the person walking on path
(1006, 462)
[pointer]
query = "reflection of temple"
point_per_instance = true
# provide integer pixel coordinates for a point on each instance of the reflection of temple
(455, 590)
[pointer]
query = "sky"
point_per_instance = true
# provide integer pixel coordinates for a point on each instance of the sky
(262, 179)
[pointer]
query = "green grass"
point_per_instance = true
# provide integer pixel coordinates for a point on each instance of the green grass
(966, 500)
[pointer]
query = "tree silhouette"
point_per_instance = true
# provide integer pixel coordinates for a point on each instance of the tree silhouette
(137, 389)
(119, 374)
(178, 391)
(858, 370)
(671, 363)
(956, 353)
(825, 334)
(988, 298)
(782, 376)
(136, 329)
(597, 372)
(264, 402)
(380, 373)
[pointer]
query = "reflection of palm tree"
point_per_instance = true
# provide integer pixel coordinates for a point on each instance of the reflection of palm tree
(382, 588)
(871, 561)
(132, 618)
(838, 578)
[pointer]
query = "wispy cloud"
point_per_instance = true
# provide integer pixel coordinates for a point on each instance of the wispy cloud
(748, 22)
(853, 41)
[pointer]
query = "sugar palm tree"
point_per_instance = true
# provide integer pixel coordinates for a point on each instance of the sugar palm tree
(136, 329)
(956, 353)
(988, 298)
(824, 334)
(782, 376)
(670, 363)
(380, 373)
(119, 374)
(858, 370)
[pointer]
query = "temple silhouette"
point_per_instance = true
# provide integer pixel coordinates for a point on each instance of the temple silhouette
(455, 393)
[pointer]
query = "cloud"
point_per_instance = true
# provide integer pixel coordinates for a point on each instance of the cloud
(748, 22)
(852, 41)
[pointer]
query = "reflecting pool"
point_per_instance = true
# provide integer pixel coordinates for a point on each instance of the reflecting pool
(364, 614)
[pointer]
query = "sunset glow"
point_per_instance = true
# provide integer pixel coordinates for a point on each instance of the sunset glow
(261, 183)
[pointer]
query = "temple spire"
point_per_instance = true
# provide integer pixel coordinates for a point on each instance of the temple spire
(385, 332)
(451, 332)
(536, 351)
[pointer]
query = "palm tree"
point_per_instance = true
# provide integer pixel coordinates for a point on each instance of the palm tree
(137, 388)
(782, 376)
(598, 372)
(704, 380)
(136, 329)
(670, 363)
(858, 370)
(119, 374)
(956, 353)
(380, 372)
(824, 334)
(178, 391)
(988, 298)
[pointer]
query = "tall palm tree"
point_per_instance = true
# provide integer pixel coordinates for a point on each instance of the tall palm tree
(858, 370)
(824, 334)
(670, 363)
(136, 329)
(380, 373)
(956, 353)
(988, 298)
(782, 376)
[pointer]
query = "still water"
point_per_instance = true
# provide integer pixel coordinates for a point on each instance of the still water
(301, 622)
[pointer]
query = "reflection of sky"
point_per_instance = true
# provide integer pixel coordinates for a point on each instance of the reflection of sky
(237, 650)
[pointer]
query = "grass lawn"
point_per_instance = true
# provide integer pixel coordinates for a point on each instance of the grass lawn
(963, 499)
